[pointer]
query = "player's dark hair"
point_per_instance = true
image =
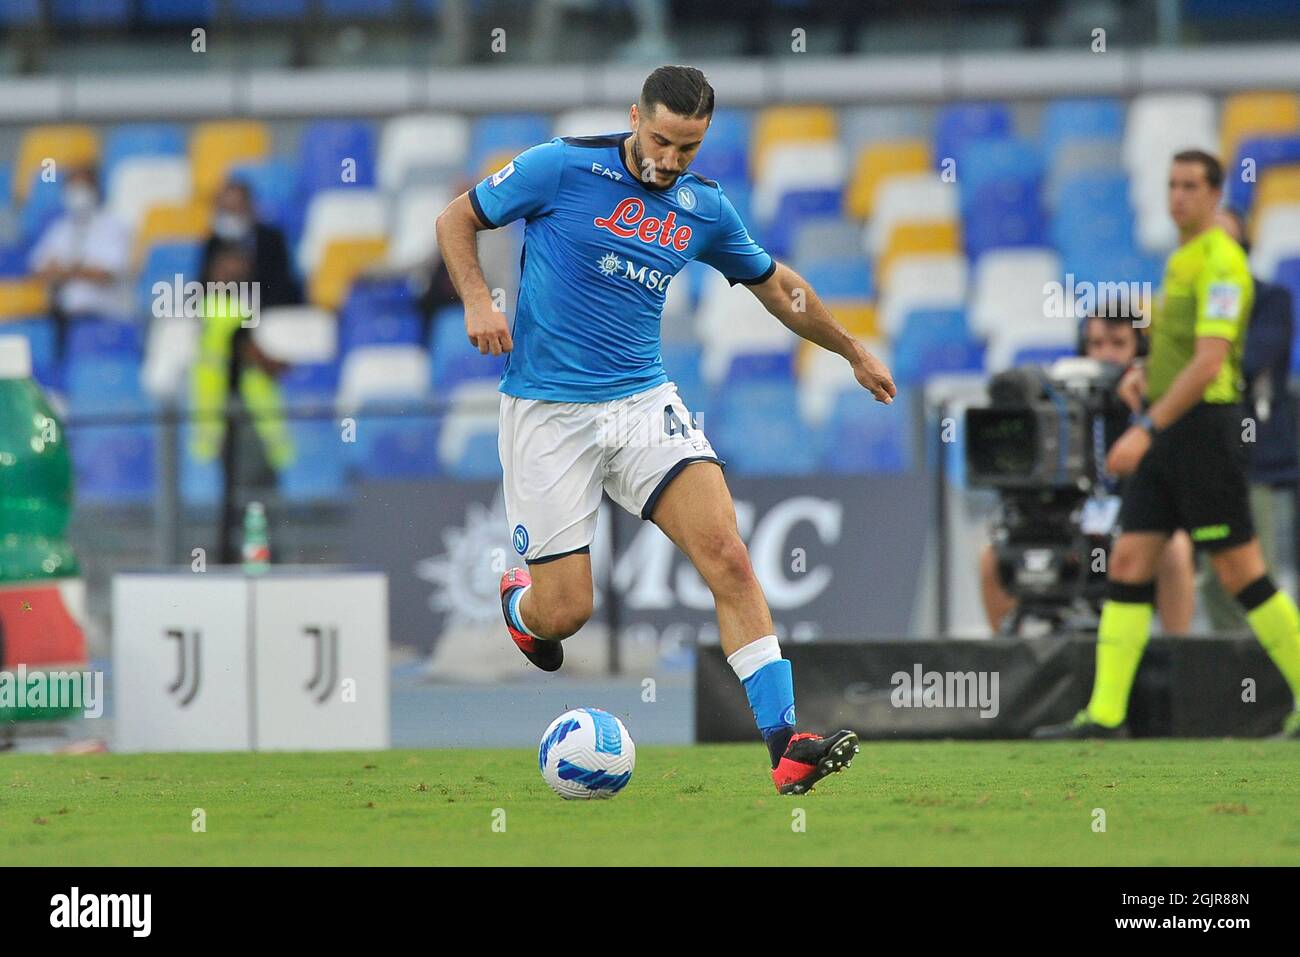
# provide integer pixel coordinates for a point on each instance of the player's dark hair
(1209, 162)
(683, 90)
(1114, 312)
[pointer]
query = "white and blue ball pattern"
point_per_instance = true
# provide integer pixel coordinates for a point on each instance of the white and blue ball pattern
(586, 753)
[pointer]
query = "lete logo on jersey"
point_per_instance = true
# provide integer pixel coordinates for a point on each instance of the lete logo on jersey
(629, 219)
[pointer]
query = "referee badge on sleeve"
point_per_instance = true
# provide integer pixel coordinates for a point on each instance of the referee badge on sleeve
(1224, 301)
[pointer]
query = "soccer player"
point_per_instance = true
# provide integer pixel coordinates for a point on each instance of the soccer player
(1187, 459)
(587, 404)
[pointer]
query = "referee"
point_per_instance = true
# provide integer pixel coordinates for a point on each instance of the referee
(1186, 458)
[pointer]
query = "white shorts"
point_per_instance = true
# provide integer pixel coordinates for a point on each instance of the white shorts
(557, 456)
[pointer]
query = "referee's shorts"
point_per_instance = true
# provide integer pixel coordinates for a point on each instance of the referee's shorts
(1194, 477)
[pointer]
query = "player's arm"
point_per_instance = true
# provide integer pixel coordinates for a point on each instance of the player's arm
(789, 297)
(458, 227)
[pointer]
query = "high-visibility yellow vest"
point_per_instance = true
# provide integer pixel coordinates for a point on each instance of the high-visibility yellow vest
(210, 386)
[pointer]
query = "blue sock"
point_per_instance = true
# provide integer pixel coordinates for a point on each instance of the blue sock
(770, 690)
(512, 610)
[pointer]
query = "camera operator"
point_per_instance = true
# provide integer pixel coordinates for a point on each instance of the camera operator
(1110, 336)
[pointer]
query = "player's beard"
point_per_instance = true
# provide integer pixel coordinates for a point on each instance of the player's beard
(638, 161)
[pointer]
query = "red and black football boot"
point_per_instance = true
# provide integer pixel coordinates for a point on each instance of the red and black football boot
(547, 655)
(809, 757)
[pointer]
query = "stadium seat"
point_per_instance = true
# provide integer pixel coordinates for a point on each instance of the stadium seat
(170, 348)
(1264, 153)
(935, 281)
(908, 239)
(394, 442)
(479, 458)
(933, 341)
(20, 13)
(130, 140)
(1008, 214)
(797, 166)
(755, 427)
(1009, 286)
(90, 13)
(499, 133)
(782, 125)
(796, 209)
(1070, 120)
(1256, 114)
(335, 154)
(160, 12)
(592, 121)
(43, 206)
(987, 162)
(863, 436)
(435, 143)
(1083, 156)
(273, 183)
(731, 320)
(359, 9)
(216, 146)
(725, 154)
(922, 197)
(848, 277)
(311, 384)
(163, 264)
(139, 183)
(1159, 125)
(39, 333)
(336, 214)
(388, 330)
(759, 367)
(861, 126)
(1278, 186)
(1277, 237)
(299, 335)
(959, 125)
(823, 375)
(1015, 345)
(92, 339)
(449, 375)
(683, 363)
(879, 162)
(184, 222)
(382, 373)
(22, 297)
(68, 146)
(113, 464)
(343, 261)
(827, 240)
(415, 238)
(260, 11)
(473, 408)
(317, 473)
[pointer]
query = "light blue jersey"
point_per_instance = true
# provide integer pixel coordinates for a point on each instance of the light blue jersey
(600, 247)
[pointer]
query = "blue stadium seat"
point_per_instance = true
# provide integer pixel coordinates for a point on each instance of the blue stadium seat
(682, 361)
(1265, 151)
(796, 208)
(986, 162)
(92, 338)
(44, 205)
(15, 13)
(274, 184)
(381, 329)
(325, 146)
(725, 154)
(934, 341)
(105, 384)
(395, 446)
(40, 337)
(317, 472)
(479, 459)
(91, 13)
(959, 125)
(465, 367)
(1007, 213)
(200, 481)
(113, 464)
(748, 367)
(846, 278)
(1117, 264)
(140, 139)
(359, 9)
(1041, 355)
(862, 436)
(178, 11)
(307, 384)
(6, 182)
(756, 428)
(498, 133)
(257, 11)
(163, 263)
(13, 262)
(1085, 232)
(1092, 119)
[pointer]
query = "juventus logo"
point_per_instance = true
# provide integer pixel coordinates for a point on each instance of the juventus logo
(188, 675)
(325, 675)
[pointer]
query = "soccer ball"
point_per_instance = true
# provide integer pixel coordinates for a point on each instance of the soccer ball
(586, 753)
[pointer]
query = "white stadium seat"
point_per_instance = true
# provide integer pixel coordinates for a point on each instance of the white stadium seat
(298, 334)
(475, 406)
(930, 281)
(382, 373)
(169, 351)
(422, 141)
(797, 166)
(1277, 237)
(590, 122)
(827, 374)
(348, 213)
(142, 182)
(733, 321)
(922, 197)
(1008, 287)
(415, 240)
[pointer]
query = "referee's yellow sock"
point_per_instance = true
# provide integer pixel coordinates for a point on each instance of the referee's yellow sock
(1121, 639)
(1276, 623)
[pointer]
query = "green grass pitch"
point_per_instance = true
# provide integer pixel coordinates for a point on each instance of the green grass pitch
(1165, 802)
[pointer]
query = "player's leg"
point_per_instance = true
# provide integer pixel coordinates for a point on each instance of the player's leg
(1176, 585)
(997, 603)
(1271, 613)
(559, 600)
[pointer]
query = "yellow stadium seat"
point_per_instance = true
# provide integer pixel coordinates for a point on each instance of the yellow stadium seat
(910, 239)
(858, 316)
(1256, 114)
(1279, 184)
(496, 161)
(877, 163)
(216, 147)
(341, 263)
(169, 223)
(22, 297)
(788, 124)
(67, 146)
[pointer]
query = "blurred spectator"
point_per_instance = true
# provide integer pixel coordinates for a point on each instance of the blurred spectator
(83, 256)
(1116, 340)
(1274, 459)
(257, 444)
(235, 224)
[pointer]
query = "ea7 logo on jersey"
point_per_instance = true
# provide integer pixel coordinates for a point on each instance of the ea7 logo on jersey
(606, 171)
(1223, 301)
(629, 219)
(501, 174)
